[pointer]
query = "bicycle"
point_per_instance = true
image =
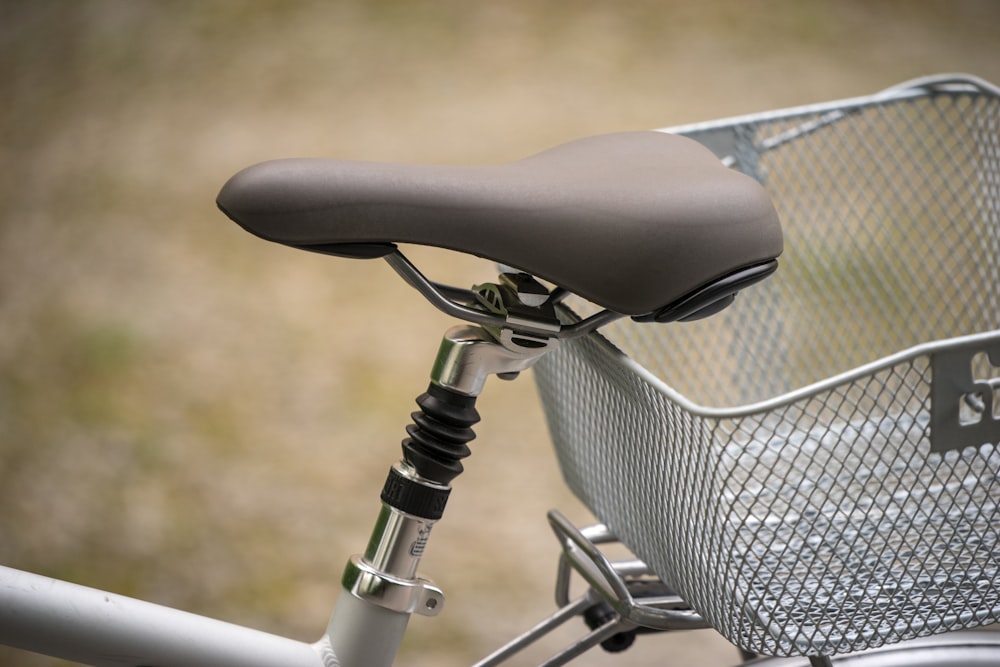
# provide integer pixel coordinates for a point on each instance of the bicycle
(844, 511)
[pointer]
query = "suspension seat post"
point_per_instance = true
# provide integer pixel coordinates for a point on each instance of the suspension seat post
(381, 588)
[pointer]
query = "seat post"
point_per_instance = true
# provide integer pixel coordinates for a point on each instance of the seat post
(381, 588)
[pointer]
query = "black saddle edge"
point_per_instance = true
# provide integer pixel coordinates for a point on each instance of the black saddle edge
(711, 298)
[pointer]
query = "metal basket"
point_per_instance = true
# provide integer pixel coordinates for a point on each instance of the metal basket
(817, 469)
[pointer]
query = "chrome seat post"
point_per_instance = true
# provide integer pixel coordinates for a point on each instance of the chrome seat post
(381, 588)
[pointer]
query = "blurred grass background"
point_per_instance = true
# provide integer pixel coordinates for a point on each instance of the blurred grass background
(196, 417)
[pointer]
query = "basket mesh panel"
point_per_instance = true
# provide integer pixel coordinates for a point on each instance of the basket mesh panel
(826, 525)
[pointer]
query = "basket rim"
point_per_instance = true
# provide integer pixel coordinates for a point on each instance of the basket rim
(955, 83)
(804, 392)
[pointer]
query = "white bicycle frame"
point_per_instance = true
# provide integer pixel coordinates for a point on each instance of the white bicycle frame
(94, 627)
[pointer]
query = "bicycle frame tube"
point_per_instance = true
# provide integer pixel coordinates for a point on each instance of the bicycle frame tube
(94, 627)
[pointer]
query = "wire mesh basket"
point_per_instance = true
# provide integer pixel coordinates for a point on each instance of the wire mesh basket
(817, 469)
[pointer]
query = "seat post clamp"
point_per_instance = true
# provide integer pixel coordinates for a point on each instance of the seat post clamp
(405, 596)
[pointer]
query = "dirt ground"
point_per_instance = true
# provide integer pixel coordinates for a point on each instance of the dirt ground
(193, 416)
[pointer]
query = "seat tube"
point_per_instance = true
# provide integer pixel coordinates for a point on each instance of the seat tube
(381, 587)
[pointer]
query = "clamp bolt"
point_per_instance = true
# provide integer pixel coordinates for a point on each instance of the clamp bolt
(529, 291)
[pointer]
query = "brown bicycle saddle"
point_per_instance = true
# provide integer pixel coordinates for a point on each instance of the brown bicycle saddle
(637, 222)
